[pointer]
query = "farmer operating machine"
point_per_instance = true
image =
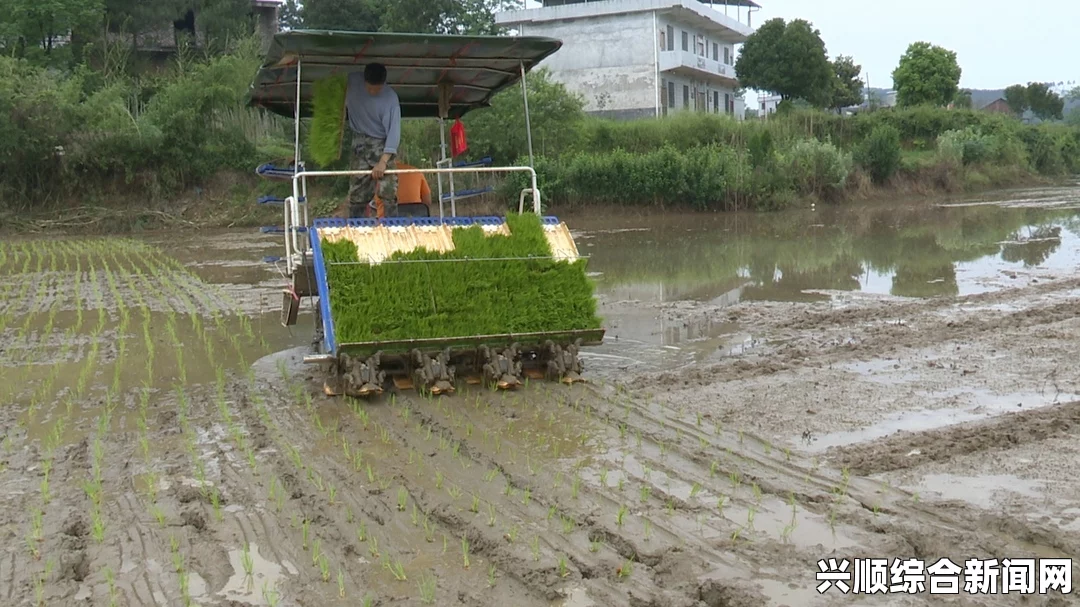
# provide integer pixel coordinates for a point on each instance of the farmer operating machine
(423, 300)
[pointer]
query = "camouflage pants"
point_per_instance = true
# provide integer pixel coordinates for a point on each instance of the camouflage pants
(366, 154)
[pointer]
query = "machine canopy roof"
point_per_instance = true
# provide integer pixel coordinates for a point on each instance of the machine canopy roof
(476, 66)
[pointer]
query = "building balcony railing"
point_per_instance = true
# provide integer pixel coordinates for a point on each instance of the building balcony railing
(697, 66)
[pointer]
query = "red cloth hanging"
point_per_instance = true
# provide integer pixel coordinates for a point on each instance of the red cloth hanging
(458, 145)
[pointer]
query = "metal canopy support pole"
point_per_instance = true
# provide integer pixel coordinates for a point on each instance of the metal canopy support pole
(296, 155)
(453, 195)
(446, 93)
(442, 159)
(528, 124)
(295, 185)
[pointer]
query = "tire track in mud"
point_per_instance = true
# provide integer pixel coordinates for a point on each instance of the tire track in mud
(493, 541)
(815, 337)
(877, 518)
(377, 506)
(1004, 432)
(614, 536)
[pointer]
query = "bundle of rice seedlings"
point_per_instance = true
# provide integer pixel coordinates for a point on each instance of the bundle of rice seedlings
(327, 119)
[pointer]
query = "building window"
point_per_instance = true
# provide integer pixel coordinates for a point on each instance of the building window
(670, 38)
(729, 107)
(727, 55)
(686, 96)
(663, 40)
(671, 94)
(700, 45)
(716, 102)
(685, 41)
(715, 52)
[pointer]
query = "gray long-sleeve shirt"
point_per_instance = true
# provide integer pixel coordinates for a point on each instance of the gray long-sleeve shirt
(376, 116)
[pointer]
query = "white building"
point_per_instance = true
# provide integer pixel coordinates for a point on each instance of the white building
(768, 104)
(637, 58)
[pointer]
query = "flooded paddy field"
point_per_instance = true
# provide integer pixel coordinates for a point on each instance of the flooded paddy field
(773, 390)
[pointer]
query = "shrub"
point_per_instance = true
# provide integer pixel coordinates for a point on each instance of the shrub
(36, 111)
(705, 177)
(973, 146)
(879, 154)
(974, 180)
(71, 133)
(951, 149)
(1070, 150)
(761, 148)
(816, 167)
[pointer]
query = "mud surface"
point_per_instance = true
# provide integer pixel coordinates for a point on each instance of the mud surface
(751, 412)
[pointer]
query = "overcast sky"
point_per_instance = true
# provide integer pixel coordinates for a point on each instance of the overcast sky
(997, 43)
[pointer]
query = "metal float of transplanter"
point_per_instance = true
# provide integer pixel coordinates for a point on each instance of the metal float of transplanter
(564, 363)
(427, 73)
(433, 374)
(359, 377)
(502, 367)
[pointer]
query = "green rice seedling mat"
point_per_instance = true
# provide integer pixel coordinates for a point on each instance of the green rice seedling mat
(496, 291)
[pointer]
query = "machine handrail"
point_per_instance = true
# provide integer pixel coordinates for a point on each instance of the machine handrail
(514, 169)
(298, 178)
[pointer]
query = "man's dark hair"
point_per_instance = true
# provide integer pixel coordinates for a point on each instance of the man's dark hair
(375, 73)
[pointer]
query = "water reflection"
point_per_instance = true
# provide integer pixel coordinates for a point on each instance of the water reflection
(910, 251)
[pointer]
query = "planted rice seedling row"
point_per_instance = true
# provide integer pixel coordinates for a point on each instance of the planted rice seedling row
(24, 288)
(565, 524)
(449, 490)
(695, 489)
(203, 289)
(58, 270)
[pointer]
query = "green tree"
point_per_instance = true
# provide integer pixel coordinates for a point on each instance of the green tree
(420, 16)
(1016, 97)
(443, 16)
(787, 59)
(927, 75)
(290, 17)
(136, 16)
(555, 114)
(44, 26)
(847, 83)
(217, 21)
(1044, 103)
(222, 20)
(352, 15)
(963, 99)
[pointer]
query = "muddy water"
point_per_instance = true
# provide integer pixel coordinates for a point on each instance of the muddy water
(162, 444)
(953, 248)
